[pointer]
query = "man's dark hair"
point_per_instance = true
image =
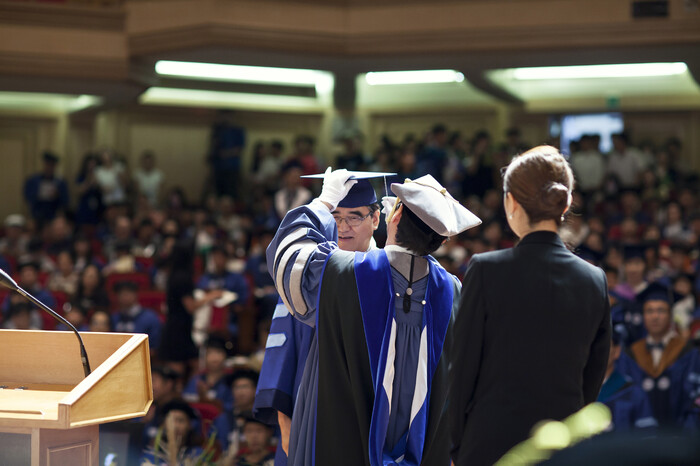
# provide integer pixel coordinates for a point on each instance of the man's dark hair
(413, 234)
(439, 129)
(277, 144)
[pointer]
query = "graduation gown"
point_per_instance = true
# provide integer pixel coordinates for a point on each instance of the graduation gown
(628, 404)
(342, 408)
(673, 386)
(286, 351)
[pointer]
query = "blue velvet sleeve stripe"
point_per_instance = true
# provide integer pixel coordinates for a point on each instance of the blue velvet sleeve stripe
(296, 255)
(268, 402)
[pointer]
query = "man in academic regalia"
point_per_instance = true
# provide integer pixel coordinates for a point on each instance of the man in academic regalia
(374, 385)
(664, 364)
(357, 216)
(628, 403)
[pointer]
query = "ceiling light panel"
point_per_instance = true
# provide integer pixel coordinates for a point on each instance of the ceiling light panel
(383, 78)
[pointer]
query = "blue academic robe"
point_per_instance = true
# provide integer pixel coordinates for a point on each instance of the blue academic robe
(672, 387)
(299, 258)
(146, 321)
(286, 351)
(221, 391)
(628, 404)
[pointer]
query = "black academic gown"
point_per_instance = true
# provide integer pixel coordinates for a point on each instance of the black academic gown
(345, 385)
(534, 334)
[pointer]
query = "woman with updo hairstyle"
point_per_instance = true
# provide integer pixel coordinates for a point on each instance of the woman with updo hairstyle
(533, 328)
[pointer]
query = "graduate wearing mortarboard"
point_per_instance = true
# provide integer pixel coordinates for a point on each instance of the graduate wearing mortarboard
(374, 385)
(628, 403)
(287, 347)
(663, 363)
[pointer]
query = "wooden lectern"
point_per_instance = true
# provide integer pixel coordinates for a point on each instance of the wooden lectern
(49, 411)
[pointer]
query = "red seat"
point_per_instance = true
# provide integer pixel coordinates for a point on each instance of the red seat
(43, 278)
(207, 411)
(219, 319)
(61, 298)
(198, 266)
(153, 299)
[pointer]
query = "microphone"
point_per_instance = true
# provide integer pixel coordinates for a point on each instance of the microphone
(8, 282)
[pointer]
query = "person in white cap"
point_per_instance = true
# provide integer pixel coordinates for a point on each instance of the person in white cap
(374, 388)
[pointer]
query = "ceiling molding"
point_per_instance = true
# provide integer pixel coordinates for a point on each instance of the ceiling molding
(217, 35)
(63, 16)
(52, 65)
(343, 45)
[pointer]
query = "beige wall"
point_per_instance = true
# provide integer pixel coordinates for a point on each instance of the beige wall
(180, 137)
(22, 139)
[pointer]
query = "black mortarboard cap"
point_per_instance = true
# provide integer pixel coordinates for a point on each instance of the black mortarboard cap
(362, 193)
(658, 291)
(633, 251)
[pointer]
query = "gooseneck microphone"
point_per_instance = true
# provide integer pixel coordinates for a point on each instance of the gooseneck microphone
(8, 282)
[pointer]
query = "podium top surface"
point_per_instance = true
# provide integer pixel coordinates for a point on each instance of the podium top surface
(30, 404)
(55, 393)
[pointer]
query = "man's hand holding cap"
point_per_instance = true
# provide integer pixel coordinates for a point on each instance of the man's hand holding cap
(336, 185)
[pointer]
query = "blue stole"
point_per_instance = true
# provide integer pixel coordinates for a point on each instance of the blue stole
(376, 293)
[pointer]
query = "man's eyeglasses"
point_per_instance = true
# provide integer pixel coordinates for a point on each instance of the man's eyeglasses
(351, 220)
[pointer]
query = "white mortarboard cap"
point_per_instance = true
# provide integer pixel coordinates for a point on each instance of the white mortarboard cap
(431, 202)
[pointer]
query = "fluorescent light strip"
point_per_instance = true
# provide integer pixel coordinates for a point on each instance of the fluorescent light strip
(240, 73)
(379, 78)
(47, 101)
(632, 70)
(218, 99)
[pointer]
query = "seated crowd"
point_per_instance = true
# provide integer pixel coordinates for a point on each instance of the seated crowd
(106, 265)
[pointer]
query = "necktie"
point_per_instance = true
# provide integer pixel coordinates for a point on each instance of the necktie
(652, 346)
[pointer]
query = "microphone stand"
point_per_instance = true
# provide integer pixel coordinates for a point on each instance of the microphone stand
(4, 279)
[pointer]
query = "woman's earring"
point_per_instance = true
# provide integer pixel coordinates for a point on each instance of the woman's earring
(510, 216)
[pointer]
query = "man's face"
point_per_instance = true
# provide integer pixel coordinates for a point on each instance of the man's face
(634, 270)
(257, 436)
(243, 393)
(127, 298)
(218, 260)
(215, 359)
(355, 238)
(99, 322)
(180, 422)
(49, 168)
(22, 320)
(122, 228)
(161, 386)
(28, 277)
(657, 317)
